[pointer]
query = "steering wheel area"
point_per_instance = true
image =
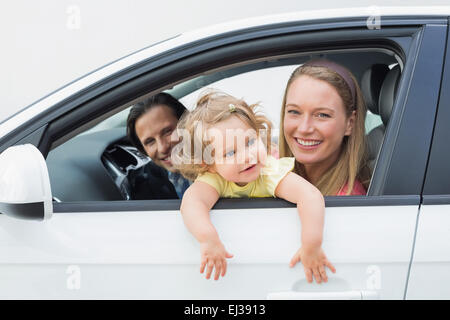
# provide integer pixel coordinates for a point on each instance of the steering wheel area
(135, 175)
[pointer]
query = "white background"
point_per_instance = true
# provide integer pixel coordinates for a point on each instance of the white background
(49, 43)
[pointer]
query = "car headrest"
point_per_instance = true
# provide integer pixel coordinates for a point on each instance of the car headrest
(371, 83)
(387, 93)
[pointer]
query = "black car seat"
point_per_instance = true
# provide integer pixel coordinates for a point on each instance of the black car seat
(379, 86)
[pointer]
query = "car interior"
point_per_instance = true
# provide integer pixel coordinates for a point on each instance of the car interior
(100, 164)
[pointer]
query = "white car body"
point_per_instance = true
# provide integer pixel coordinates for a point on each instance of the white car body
(394, 249)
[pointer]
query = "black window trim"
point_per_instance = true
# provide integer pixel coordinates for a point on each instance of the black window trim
(436, 189)
(238, 204)
(436, 199)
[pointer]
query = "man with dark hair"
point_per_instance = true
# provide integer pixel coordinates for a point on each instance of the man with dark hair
(150, 125)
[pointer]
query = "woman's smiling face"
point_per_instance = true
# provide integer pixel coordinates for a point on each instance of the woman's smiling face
(315, 122)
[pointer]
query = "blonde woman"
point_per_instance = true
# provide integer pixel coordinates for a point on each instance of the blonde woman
(224, 149)
(322, 126)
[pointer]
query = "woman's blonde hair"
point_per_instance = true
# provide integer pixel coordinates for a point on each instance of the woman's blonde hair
(213, 107)
(352, 163)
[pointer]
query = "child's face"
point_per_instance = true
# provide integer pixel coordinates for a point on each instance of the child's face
(239, 153)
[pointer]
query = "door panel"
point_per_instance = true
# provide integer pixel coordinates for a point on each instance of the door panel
(429, 278)
(151, 255)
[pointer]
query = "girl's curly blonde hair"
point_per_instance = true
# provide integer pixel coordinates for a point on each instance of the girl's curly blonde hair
(212, 107)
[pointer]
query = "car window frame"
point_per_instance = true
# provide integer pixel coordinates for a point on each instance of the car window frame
(66, 123)
(353, 201)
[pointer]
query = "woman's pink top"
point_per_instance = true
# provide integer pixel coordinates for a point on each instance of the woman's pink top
(358, 190)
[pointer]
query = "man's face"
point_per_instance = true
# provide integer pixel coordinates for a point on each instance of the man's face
(154, 129)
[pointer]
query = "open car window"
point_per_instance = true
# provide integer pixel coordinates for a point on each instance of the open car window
(99, 160)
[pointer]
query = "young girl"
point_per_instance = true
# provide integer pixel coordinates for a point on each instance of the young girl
(230, 160)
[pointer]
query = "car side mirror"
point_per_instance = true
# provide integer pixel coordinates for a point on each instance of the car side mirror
(25, 184)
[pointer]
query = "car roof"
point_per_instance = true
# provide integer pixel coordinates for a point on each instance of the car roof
(322, 14)
(191, 36)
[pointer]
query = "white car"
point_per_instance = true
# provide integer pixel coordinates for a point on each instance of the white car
(65, 165)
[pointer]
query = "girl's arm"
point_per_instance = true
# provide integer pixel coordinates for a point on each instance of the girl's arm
(311, 209)
(197, 201)
(310, 205)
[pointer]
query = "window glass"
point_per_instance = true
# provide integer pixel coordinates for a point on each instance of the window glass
(119, 120)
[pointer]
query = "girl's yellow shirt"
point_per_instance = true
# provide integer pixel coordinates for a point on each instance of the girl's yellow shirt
(264, 186)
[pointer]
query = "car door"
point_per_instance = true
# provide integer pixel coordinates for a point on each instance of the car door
(429, 278)
(141, 249)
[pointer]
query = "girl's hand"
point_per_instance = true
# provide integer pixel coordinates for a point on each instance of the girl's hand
(213, 256)
(314, 262)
